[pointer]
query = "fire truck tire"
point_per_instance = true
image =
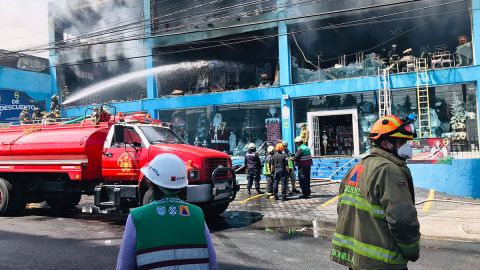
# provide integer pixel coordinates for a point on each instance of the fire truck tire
(64, 203)
(12, 199)
(216, 210)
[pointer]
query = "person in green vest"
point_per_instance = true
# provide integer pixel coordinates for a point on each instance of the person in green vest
(291, 168)
(303, 158)
(267, 170)
(377, 226)
(167, 232)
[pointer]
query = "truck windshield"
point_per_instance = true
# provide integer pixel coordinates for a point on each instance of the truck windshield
(156, 135)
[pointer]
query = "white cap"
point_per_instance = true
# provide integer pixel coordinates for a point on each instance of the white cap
(167, 171)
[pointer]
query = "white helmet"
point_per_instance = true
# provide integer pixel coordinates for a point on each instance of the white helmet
(251, 146)
(167, 171)
(298, 139)
(270, 149)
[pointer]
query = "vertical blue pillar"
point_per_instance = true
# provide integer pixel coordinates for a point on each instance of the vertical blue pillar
(476, 31)
(476, 47)
(53, 60)
(152, 91)
(285, 79)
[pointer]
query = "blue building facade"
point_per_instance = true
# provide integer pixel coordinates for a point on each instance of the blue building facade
(240, 73)
(25, 82)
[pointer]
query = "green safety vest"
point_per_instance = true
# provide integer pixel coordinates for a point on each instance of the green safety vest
(170, 233)
(306, 157)
(290, 163)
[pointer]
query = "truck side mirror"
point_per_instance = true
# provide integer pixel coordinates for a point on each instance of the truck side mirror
(119, 134)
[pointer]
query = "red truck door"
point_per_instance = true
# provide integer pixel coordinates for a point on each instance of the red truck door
(122, 161)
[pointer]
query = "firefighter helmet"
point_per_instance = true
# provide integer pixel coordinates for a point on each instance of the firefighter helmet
(298, 139)
(390, 126)
(270, 149)
(279, 147)
(167, 171)
(251, 146)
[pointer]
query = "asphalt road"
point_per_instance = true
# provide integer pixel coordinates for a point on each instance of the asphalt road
(40, 241)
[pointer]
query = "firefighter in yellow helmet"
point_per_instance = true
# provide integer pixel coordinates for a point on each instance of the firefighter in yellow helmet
(267, 169)
(377, 225)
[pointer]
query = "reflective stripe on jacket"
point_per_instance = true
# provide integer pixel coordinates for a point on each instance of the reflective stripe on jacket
(377, 225)
(170, 235)
(303, 157)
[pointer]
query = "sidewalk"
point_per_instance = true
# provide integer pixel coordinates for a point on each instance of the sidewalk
(445, 218)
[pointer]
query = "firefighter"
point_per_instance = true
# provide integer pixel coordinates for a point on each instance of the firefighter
(54, 103)
(267, 169)
(291, 168)
(303, 158)
(37, 115)
(24, 117)
(377, 225)
(304, 133)
(280, 170)
(254, 168)
(156, 233)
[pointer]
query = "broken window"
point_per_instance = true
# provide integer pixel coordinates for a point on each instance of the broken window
(358, 43)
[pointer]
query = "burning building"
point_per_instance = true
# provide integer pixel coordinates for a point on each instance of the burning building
(239, 71)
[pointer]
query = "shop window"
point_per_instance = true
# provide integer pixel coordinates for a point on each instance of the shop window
(219, 64)
(453, 114)
(230, 128)
(335, 132)
(347, 45)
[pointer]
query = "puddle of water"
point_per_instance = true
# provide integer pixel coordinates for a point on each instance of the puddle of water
(317, 229)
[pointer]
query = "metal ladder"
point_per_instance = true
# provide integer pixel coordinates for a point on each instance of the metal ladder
(384, 92)
(423, 99)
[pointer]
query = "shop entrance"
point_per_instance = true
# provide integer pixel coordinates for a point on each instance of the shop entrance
(334, 133)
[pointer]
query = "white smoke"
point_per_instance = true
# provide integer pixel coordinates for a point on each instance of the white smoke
(81, 17)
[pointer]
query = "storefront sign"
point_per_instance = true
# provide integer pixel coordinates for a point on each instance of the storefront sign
(13, 102)
(431, 151)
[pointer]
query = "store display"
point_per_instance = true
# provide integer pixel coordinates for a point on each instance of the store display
(273, 126)
(201, 131)
(219, 135)
(232, 141)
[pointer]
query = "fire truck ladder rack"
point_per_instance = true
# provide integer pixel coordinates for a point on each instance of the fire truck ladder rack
(423, 99)
(384, 92)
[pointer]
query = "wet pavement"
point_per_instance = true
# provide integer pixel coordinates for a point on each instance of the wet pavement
(247, 236)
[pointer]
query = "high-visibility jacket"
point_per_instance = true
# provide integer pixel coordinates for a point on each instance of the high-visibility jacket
(377, 225)
(303, 156)
(170, 233)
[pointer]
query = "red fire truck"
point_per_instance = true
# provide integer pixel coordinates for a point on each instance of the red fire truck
(59, 162)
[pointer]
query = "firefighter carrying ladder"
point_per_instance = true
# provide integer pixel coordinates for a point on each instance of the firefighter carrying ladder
(384, 92)
(423, 99)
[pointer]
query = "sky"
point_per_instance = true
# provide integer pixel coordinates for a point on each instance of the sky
(23, 24)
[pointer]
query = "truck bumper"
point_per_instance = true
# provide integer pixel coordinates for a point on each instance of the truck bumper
(116, 196)
(219, 191)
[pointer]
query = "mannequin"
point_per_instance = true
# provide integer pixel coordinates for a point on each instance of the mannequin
(232, 141)
(324, 142)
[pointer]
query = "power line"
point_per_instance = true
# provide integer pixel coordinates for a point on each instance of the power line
(253, 23)
(101, 43)
(275, 35)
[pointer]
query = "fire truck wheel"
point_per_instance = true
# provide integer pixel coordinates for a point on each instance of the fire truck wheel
(64, 203)
(12, 199)
(216, 210)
